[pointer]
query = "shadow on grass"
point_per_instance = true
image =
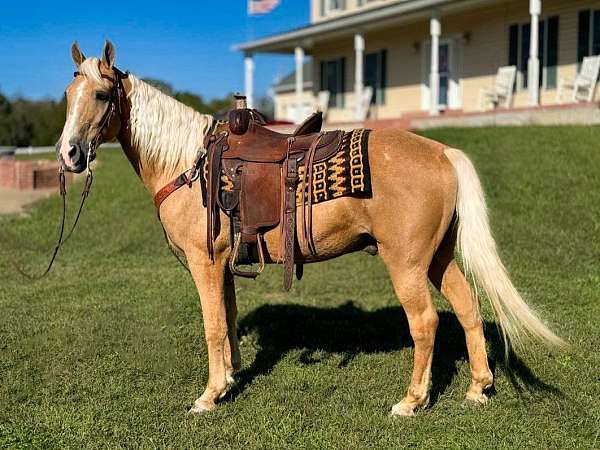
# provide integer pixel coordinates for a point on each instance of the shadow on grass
(349, 330)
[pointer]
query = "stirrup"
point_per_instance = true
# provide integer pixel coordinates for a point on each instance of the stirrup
(234, 255)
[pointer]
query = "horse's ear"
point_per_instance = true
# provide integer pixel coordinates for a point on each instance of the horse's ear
(108, 54)
(77, 54)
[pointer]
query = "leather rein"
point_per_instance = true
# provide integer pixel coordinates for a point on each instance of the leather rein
(116, 102)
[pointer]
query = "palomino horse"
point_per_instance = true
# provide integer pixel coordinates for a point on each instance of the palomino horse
(421, 190)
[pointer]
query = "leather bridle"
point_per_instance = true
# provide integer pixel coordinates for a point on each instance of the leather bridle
(117, 102)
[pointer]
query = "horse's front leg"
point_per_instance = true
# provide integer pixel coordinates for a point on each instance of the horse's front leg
(233, 359)
(210, 281)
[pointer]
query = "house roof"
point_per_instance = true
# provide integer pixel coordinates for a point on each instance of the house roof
(288, 82)
(391, 13)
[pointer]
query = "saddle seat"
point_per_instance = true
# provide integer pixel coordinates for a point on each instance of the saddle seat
(262, 145)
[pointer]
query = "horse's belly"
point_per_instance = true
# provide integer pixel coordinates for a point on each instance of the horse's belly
(339, 226)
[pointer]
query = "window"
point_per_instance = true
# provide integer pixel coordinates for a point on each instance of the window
(375, 75)
(518, 51)
(336, 5)
(588, 34)
(332, 80)
(328, 6)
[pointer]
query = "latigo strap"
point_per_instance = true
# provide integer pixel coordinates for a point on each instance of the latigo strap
(289, 226)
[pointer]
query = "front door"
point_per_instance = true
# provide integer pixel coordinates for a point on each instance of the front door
(449, 91)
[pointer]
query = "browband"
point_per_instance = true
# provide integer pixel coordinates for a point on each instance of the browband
(117, 72)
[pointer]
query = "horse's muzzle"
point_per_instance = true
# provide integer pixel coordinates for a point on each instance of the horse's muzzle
(77, 158)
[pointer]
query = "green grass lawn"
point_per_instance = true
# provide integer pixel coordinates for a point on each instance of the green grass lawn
(108, 351)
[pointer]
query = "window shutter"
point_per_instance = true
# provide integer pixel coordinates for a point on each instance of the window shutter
(323, 8)
(525, 38)
(342, 82)
(513, 45)
(596, 33)
(382, 77)
(541, 50)
(322, 83)
(342, 4)
(583, 35)
(551, 52)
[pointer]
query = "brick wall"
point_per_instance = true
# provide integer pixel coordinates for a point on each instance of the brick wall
(7, 173)
(27, 175)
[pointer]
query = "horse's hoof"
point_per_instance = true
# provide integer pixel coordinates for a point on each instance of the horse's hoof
(402, 410)
(201, 407)
(476, 399)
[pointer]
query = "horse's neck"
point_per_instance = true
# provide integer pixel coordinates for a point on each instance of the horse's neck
(162, 137)
(152, 178)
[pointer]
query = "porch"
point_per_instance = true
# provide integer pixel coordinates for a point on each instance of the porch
(425, 59)
(549, 115)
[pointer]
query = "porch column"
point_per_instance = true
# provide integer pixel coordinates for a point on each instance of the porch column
(299, 55)
(359, 50)
(533, 65)
(435, 29)
(249, 79)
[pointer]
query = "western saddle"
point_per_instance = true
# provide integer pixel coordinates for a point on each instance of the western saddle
(264, 167)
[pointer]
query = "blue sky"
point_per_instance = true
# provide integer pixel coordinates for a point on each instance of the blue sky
(186, 43)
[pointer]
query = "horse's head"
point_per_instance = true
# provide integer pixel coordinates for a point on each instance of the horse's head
(94, 108)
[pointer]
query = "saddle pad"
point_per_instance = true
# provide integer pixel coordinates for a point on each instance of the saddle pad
(346, 173)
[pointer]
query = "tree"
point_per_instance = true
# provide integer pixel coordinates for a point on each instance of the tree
(192, 100)
(26, 122)
(217, 107)
(266, 107)
(162, 86)
(6, 125)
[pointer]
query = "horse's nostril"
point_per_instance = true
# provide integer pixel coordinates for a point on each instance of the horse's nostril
(75, 154)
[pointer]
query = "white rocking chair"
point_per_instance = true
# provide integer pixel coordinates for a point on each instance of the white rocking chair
(584, 86)
(364, 103)
(322, 103)
(502, 92)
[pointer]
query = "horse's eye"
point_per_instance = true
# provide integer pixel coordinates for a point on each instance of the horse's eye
(102, 96)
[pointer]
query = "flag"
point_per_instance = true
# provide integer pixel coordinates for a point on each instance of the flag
(256, 7)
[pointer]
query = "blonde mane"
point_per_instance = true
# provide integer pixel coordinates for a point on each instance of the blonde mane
(165, 133)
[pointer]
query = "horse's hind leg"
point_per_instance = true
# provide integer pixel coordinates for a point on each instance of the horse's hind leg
(410, 284)
(447, 277)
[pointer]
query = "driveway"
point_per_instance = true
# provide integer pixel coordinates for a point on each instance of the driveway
(14, 201)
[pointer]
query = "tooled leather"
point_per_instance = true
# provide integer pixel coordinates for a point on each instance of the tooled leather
(167, 190)
(289, 229)
(257, 208)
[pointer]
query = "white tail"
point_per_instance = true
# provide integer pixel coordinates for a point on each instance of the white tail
(482, 263)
